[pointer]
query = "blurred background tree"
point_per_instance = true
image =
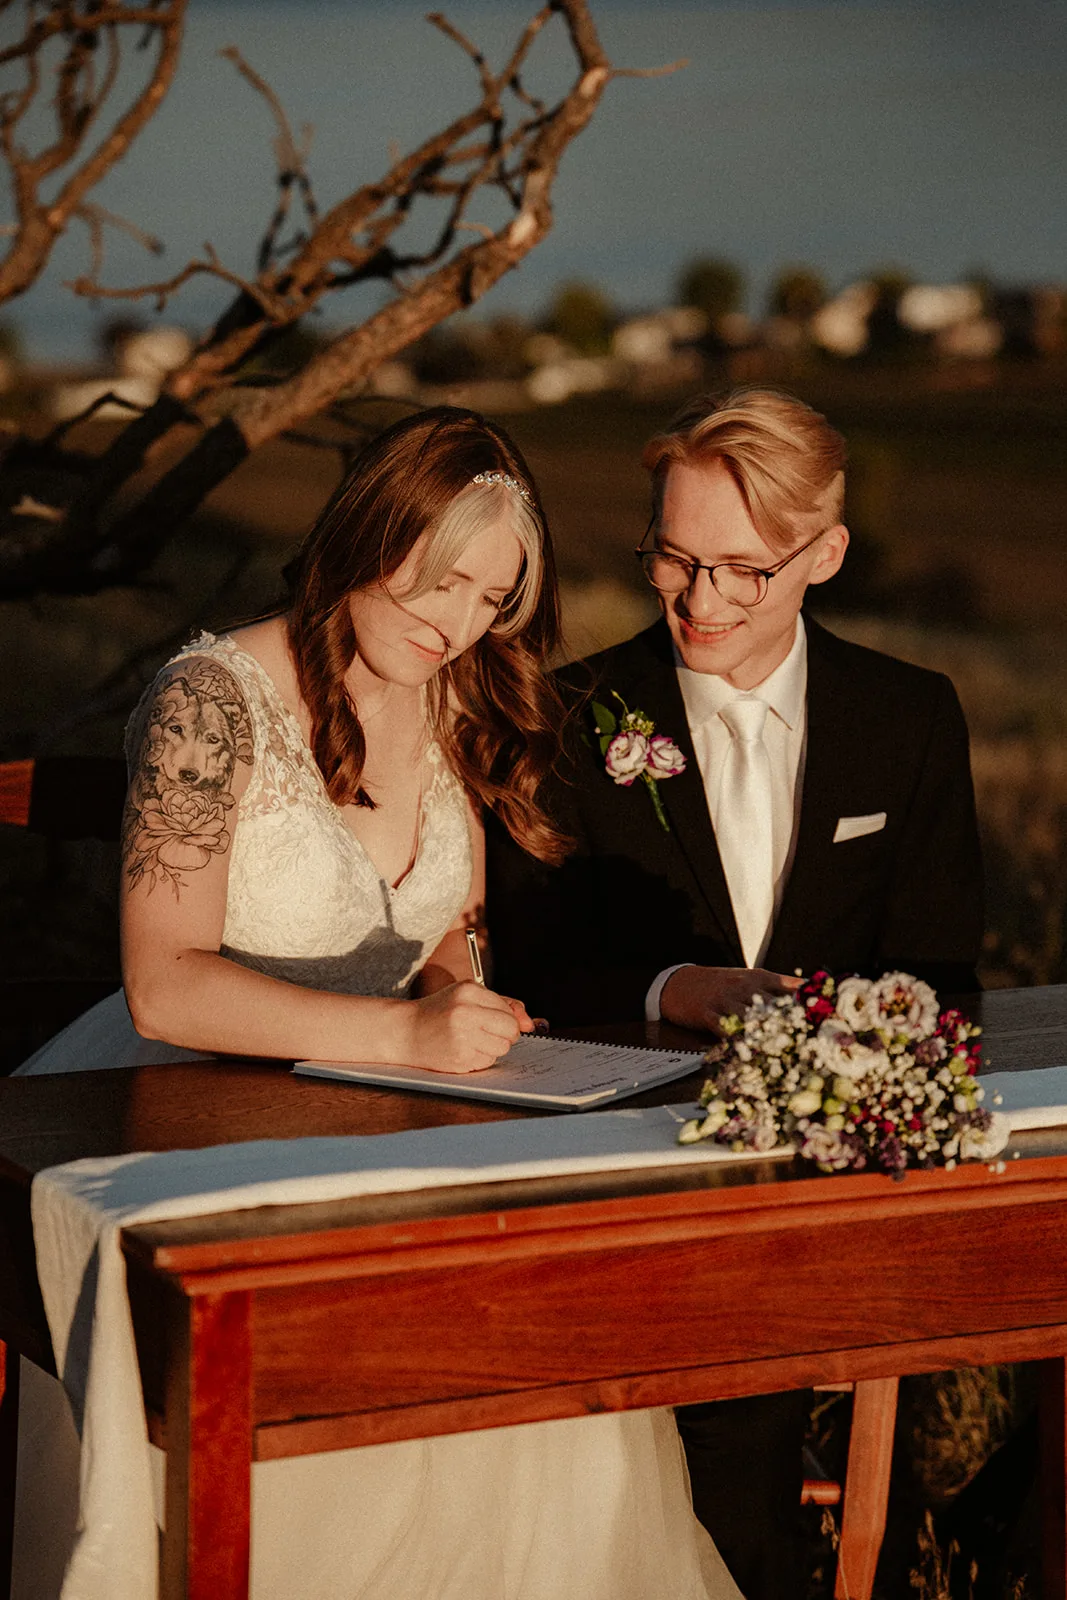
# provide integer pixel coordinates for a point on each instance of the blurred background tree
(712, 286)
(887, 336)
(797, 292)
(583, 317)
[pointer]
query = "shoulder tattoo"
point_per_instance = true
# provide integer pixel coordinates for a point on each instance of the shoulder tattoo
(193, 729)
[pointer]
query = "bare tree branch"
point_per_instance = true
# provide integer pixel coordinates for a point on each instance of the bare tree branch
(351, 242)
(273, 307)
(510, 142)
(96, 218)
(439, 20)
(651, 72)
(291, 158)
(79, 104)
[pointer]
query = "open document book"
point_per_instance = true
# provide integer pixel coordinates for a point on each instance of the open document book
(537, 1071)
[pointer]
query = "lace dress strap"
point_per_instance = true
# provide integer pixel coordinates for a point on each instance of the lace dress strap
(284, 770)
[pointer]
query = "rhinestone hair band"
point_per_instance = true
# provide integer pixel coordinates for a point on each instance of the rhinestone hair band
(507, 480)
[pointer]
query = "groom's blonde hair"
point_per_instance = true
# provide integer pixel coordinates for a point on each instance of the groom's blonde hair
(786, 459)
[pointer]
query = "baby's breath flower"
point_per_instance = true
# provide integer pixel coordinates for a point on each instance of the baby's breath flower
(858, 1074)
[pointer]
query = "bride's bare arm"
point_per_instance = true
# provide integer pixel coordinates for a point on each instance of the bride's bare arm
(191, 760)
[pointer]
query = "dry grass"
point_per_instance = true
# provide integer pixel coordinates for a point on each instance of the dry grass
(1014, 693)
(931, 1577)
(948, 1425)
(957, 1419)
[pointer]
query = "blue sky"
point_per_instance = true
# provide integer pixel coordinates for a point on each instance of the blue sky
(928, 133)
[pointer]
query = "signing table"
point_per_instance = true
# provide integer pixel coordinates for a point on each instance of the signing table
(288, 1329)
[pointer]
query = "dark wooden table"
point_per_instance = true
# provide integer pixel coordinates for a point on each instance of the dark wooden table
(291, 1329)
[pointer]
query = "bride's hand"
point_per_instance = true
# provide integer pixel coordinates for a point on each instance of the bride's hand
(463, 1028)
(699, 997)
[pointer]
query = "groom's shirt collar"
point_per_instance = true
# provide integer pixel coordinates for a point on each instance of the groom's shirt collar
(784, 690)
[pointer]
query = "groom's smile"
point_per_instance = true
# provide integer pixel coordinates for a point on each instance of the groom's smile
(703, 518)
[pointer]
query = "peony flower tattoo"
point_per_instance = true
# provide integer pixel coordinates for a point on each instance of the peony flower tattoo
(633, 749)
(855, 1074)
(180, 830)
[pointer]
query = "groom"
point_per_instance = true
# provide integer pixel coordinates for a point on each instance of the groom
(824, 817)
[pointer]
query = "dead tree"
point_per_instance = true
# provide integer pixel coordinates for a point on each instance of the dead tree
(75, 524)
(87, 38)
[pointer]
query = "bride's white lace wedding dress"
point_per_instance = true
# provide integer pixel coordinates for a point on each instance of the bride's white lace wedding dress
(596, 1508)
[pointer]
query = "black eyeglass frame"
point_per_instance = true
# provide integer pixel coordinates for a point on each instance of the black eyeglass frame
(695, 567)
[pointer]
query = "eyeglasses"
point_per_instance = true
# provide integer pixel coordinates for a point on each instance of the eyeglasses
(739, 584)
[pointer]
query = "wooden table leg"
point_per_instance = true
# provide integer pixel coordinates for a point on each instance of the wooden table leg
(9, 1444)
(870, 1458)
(1052, 1431)
(209, 1449)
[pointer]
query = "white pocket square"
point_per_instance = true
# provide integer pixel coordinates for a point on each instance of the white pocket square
(856, 827)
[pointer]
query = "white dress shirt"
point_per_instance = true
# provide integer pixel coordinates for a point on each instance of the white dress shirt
(785, 738)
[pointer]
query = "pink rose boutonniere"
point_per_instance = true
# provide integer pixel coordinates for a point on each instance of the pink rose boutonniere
(633, 749)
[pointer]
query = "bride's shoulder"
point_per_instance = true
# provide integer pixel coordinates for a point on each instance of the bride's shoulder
(248, 671)
(266, 641)
(194, 725)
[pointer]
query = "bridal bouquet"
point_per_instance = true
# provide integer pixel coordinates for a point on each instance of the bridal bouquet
(855, 1073)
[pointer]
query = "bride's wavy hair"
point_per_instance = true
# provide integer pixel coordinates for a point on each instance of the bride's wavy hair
(492, 708)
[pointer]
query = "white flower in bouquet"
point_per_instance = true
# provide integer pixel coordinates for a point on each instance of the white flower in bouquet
(805, 1102)
(976, 1145)
(856, 1007)
(764, 1131)
(717, 1115)
(896, 1006)
(826, 1148)
(840, 1054)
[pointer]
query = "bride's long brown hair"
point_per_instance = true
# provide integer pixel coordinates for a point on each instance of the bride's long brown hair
(492, 708)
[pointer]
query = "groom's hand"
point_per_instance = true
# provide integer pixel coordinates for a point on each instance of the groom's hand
(699, 997)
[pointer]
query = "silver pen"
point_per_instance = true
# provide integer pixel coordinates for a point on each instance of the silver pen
(476, 957)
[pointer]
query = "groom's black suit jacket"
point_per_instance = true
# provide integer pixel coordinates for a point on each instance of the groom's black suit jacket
(582, 943)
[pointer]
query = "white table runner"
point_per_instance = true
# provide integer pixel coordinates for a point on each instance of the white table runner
(1036, 1098)
(79, 1209)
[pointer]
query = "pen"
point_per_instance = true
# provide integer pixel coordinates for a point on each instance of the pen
(476, 957)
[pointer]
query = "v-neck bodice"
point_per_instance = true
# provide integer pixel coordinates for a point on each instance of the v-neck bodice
(305, 900)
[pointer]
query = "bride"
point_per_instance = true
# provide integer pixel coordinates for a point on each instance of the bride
(302, 857)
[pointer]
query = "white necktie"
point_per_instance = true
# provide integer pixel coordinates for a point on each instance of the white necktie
(744, 823)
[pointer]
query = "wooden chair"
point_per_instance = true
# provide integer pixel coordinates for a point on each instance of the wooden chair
(865, 1494)
(37, 796)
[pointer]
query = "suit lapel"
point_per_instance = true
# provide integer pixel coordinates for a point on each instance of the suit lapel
(828, 734)
(653, 688)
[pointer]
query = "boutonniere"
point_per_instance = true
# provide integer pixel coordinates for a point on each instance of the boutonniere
(633, 749)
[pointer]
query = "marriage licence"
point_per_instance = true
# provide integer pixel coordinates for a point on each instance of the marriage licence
(538, 1070)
